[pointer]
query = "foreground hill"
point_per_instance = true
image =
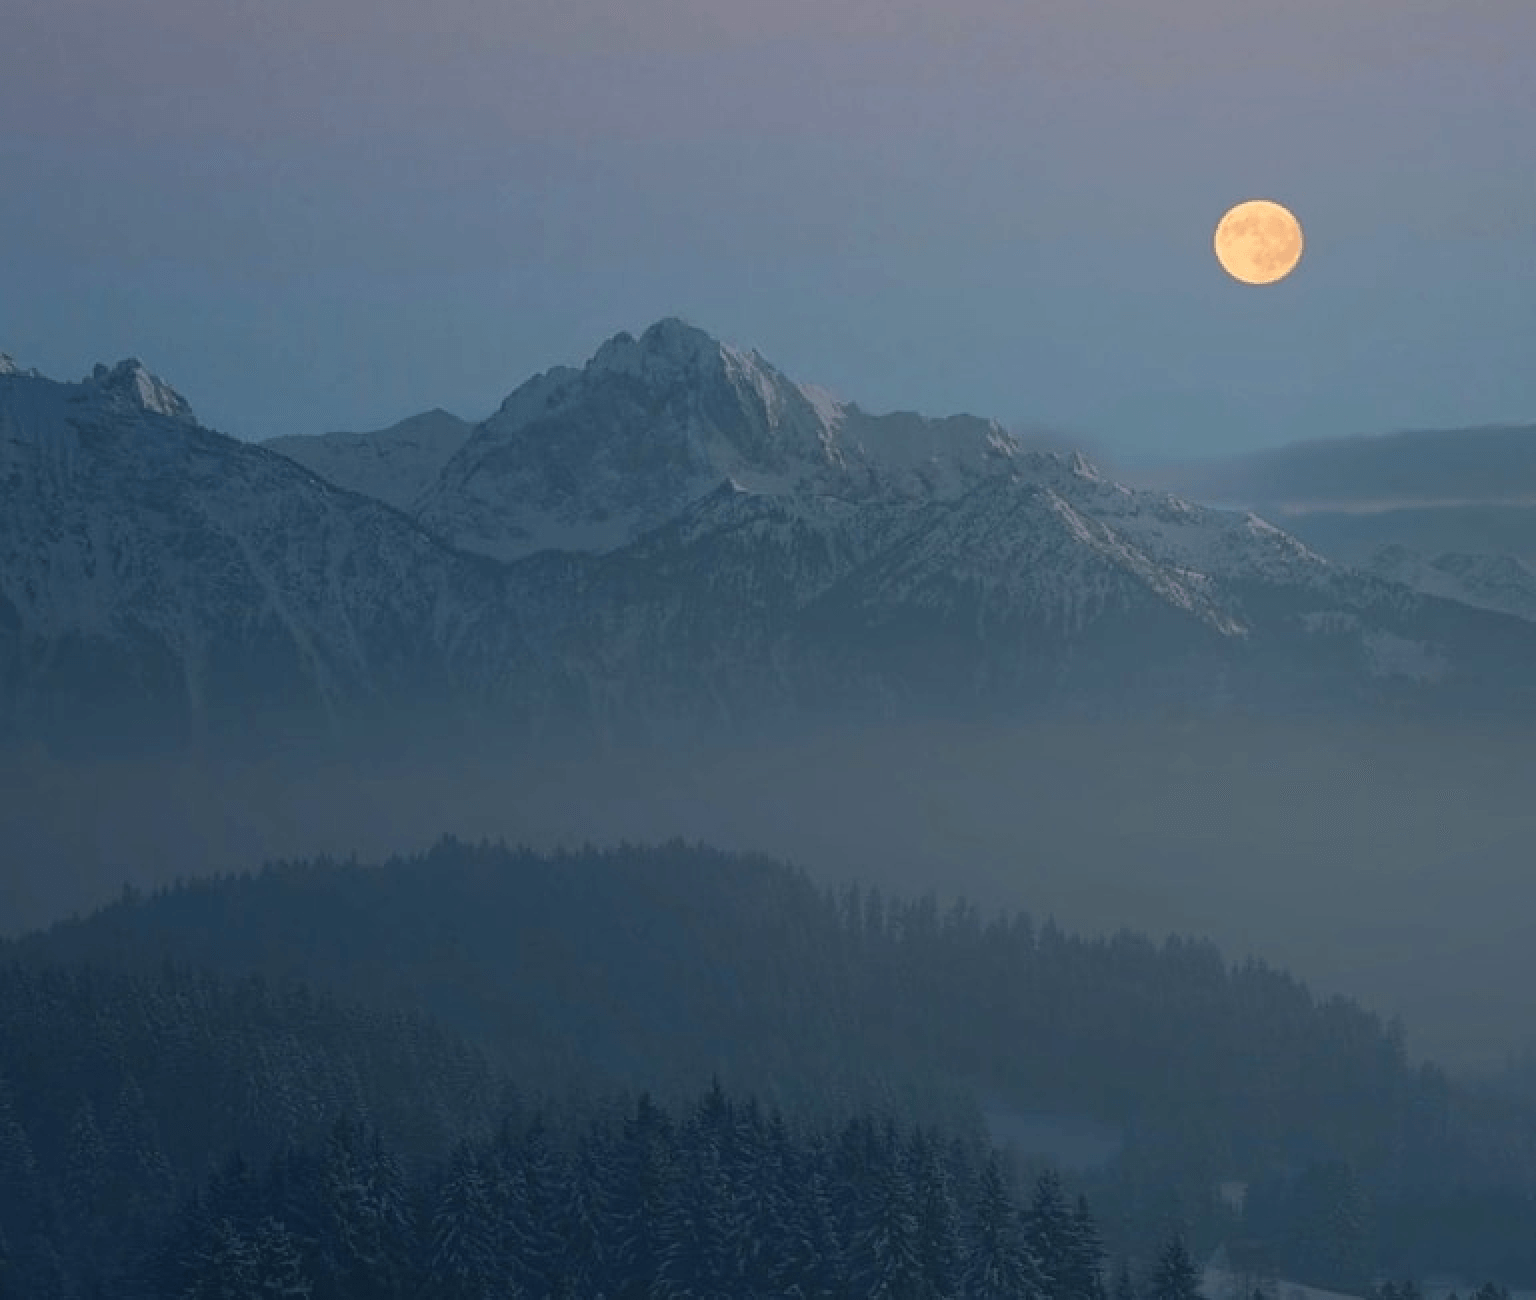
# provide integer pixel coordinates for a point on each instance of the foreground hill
(122, 1094)
(653, 968)
(172, 1134)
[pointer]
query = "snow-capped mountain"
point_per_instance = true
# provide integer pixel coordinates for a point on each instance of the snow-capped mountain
(738, 550)
(1496, 582)
(590, 459)
(155, 573)
(394, 465)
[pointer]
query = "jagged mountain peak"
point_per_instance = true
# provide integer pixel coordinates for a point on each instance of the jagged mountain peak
(668, 347)
(672, 360)
(130, 381)
(9, 368)
(589, 459)
(694, 372)
(675, 355)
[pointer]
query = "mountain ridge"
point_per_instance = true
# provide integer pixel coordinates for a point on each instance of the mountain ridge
(736, 552)
(390, 464)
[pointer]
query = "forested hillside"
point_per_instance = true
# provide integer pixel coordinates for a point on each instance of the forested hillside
(176, 1135)
(715, 1198)
(658, 967)
(119, 1094)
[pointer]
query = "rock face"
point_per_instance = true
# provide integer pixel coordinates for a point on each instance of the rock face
(675, 535)
(130, 388)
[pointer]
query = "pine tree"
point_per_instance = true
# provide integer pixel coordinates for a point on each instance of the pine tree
(693, 1246)
(644, 1172)
(1050, 1236)
(938, 1218)
(367, 1230)
(886, 1255)
(1175, 1277)
(759, 1158)
(463, 1264)
(527, 1182)
(1085, 1274)
(585, 1222)
(1329, 1226)
(997, 1265)
(811, 1262)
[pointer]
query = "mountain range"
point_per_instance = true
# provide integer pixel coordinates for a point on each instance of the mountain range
(1449, 512)
(673, 535)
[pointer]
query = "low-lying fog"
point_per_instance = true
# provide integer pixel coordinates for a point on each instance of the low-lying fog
(1393, 863)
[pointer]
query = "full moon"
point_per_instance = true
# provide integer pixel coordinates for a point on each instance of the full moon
(1258, 242)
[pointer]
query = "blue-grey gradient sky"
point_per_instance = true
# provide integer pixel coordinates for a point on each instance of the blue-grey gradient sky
(317, 214)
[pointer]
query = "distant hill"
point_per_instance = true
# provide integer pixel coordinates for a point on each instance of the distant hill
(1492, 465)
(1491, 532)
(123, 1095)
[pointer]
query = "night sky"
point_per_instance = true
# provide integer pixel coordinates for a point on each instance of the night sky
(319, 214)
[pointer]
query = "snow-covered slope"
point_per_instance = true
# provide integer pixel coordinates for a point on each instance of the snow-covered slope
(155, 573)
(1496, 582)
(395, 465)
(589, 459)
(1015, 548)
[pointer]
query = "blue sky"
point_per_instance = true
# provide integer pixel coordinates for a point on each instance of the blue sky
(316, 214)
